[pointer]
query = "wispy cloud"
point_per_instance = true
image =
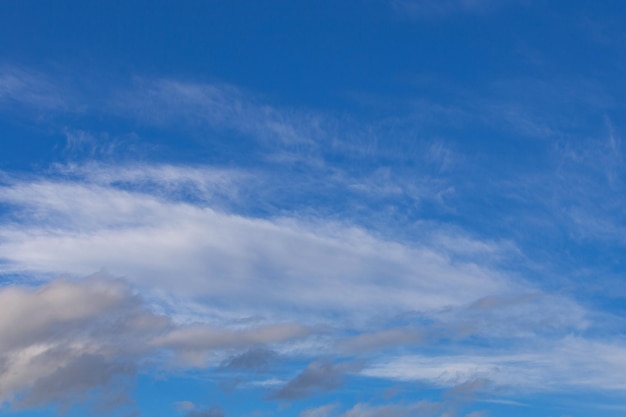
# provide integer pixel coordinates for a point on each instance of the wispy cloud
(171, 102)
(19, 86)
(374, 261)
(369, 295)
(561, 365)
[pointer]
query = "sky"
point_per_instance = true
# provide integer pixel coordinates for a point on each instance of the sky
(356, 208)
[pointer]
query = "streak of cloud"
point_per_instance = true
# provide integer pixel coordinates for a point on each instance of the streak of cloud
(318, 376)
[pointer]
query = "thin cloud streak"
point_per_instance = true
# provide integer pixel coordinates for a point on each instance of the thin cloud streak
(562, 365)
(31, 89)
(224, 107)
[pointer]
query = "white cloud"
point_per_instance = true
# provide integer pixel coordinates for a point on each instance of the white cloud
(253, 281)
(191, 250)
(560, 365)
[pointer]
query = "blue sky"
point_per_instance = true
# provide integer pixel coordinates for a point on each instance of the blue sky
(366, 208)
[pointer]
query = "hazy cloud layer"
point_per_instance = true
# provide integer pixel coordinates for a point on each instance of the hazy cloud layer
(228, 275)
(381, 208)
(357, 293)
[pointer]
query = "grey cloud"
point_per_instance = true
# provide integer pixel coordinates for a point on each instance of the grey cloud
(467, 391)
(318, 376)
(68, 342)
(377, 341)
(64, 310)
(207, 337)
(258, 358)
(210, 412)
(61, 341)
(497, 302)
(193, 343)
(69, 383)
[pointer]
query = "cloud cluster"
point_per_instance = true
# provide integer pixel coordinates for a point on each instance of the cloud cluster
(60, 341)
(67, 342)
(201, 248)
(234, 284)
